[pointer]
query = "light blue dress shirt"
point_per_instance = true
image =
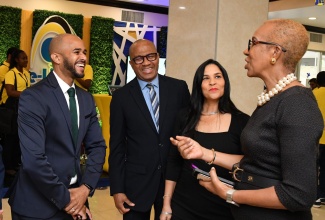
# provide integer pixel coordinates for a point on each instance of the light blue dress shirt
(145, 91)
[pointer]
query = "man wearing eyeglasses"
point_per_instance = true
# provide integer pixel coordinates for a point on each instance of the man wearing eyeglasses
(142, 120)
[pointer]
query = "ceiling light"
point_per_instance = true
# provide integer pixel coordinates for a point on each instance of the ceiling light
(312, 18)
(182, 7)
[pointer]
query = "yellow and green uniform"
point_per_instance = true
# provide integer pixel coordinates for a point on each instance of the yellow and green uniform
(88, 75)
(4, 68)
(320, 97)
(23, 81)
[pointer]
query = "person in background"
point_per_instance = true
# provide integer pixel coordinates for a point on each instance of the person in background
(213, 121)
(54, 118)
(4, 67)
(320, 97)
(313, 83)
(2, 175)
(17, 79)
(276, 177)
(142, 117)
(85, 82)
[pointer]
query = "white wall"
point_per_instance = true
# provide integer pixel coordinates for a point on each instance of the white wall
(318, 46)
(87, 10)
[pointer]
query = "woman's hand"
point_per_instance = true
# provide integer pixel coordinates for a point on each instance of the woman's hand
(215, 185)
(166, 213)
(188, 148)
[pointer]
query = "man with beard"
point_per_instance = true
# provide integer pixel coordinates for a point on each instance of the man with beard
(52, 125)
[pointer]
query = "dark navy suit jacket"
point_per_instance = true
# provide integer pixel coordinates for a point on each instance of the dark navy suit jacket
(49, 157)
(138, 153)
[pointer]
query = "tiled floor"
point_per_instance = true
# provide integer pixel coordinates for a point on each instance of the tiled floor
(103, 208)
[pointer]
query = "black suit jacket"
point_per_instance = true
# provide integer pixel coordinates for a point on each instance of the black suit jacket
(49, 157)
(138, 153)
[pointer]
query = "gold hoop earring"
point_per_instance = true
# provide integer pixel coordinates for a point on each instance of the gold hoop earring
(273, 61)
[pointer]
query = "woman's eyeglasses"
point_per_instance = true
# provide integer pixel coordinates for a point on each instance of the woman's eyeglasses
(255, 41)
(150, 57)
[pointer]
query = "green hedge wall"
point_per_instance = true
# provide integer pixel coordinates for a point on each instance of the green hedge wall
(75, 21)
(101, 53)
(10, 27)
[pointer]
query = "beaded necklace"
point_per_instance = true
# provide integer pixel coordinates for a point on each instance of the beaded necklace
(266, 96)
(209, 113)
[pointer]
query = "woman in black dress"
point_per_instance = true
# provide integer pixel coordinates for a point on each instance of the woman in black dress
(212, 120)
(277, 175)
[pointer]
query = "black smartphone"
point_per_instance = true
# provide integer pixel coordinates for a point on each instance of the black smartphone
(205, 176)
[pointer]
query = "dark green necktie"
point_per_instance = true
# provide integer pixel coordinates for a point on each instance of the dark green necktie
(74, 115)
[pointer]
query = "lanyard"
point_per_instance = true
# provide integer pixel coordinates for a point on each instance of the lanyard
(24, 78)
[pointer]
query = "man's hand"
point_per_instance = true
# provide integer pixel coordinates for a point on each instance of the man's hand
(82, 215)
(120, 199)
(78, 197)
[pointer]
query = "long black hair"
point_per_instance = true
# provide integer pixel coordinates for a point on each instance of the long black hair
(197, 98)
(14, 56)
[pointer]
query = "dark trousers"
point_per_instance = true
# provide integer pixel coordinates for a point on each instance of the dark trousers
(58, 216)
(2, 175)
(11, 152)
(158, 203)
(321, 176)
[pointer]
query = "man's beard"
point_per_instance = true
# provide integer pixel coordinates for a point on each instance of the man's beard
(72, 69)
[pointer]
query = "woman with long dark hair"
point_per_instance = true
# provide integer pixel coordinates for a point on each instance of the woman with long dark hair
(213, 120)
(276, 178)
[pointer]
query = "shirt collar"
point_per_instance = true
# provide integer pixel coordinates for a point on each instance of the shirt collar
(63, 85)
(154, 82)
(6, 64)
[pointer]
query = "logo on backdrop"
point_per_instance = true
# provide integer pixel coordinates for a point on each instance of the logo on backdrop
(40, 61)
(319, 2)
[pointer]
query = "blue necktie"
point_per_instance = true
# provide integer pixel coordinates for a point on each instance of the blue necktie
(154, 103)
(74, 115)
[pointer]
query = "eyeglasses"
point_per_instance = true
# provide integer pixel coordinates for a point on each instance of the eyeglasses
(255, 41)
(150, 57)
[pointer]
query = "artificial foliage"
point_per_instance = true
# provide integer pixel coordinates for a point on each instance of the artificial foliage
(10, 29)
(74, 20)
(101, 53)
(162, 42)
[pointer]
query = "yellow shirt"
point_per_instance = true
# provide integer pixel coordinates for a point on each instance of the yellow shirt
(4, 68)
(320, 97)
(23, 81)
(88, 75)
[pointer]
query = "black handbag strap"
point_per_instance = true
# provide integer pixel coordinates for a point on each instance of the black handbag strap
(3, 84)
(15, 84)
(2, 87)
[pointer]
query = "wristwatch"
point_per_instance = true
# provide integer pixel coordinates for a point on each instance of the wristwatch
(91, 190)
(229, 195)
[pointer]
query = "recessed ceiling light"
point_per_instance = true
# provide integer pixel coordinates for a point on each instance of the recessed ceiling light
(182, 7)
(312, 18)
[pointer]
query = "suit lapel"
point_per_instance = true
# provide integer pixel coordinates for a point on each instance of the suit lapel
(81, 103)
(61, 103)
(163, 97)
(136, 93)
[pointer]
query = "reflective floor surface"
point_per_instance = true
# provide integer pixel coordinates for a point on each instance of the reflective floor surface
(103, 208)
